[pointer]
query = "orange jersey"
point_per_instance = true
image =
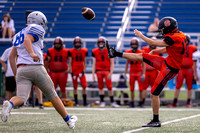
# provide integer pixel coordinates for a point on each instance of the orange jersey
(176, 49)
(187, 59)
(147, 50)
(78, 58)
(102, 59)
(135, 66)
(58, 59)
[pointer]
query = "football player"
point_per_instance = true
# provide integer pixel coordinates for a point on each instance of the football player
(77, 65)
(29, 68)
(174, 44)
(186, 72)
(56, 63)
(137, 71)
(103, 67)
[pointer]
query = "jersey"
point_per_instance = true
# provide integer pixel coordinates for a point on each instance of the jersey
(58, 59)
(196, 57)
(5, 57)
(135, 66)
(187, 59)
(102, 59)
(78, 58)
(147, 50)
(176, 49)
(38, 33)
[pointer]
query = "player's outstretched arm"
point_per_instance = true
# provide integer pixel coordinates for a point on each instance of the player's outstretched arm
(150, 41)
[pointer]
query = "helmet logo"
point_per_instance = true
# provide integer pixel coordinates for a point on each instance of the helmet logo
(167, 23)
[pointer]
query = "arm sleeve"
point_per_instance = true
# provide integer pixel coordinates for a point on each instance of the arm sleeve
(37, 32)
(48, 54)
(169, 40)
(5, 55)
(93, 54)
(86, 54)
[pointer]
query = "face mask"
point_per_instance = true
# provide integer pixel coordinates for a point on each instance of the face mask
(101, 44)
(58, 48)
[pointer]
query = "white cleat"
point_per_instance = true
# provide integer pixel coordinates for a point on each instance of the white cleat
(102, 104)
(6, 110)
(114, 105)
(72, 121)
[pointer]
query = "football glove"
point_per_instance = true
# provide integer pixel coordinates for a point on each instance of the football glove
(112, 52)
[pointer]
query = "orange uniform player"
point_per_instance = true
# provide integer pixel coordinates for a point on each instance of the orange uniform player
(77, 65)
(137, 71)
(57, 64)
(150, 74)
(186, 72)
(103, 66)
(174, 44)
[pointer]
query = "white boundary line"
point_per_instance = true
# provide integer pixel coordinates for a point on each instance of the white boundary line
(164, 123)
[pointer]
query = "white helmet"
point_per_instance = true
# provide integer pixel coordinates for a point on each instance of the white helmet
(37, 17)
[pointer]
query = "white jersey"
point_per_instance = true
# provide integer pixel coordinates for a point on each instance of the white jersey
(196, 57)
(5, 57)
(38, 33)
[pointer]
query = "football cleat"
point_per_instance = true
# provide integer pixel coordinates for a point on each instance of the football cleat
(153, 124)
(6, 110)
(114, 105)
(172, 105)
(72, 121)
(102, 104)
(111, 50)
(188, 106)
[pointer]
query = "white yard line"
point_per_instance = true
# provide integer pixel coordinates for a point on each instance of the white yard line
(164, 123)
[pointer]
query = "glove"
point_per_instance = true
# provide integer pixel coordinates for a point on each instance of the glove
(142, 78)
(112, 52)
(82, 74)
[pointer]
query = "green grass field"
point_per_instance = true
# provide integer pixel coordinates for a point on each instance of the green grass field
(100, 120)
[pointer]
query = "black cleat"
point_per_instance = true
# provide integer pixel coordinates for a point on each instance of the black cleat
(153, 124)
(111, 50)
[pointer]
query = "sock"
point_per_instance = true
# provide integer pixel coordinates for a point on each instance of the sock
(143, 101)
(84, 99)
(102, 98)
(132, 103)
(188, 101)
(175, 100)
(66, 118)
(111, 99)
(12, 104)
(155, 117)
(76, 98)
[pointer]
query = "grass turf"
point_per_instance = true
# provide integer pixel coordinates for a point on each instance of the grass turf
(98, 120)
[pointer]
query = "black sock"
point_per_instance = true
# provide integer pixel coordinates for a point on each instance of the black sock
(132, 103)
(76, 98)
(102, 98)
(84, 99)
(175, 100)
(188, 101)
(155, 117)
(143, 101)
(111, 99)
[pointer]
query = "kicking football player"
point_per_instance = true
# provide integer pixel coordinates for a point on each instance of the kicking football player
(29, 68)
(186, 72)
(56, 63)
(174, 44)
(77, 65)
(150, 74)
(137, 71)
(103, 67)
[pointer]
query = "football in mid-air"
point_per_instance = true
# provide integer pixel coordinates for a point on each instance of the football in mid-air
(88, 13)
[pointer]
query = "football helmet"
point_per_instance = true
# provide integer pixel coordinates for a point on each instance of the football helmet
(134, 44)
(58, 40)
(168, 25)
(101, 42)
(37, 17)
(77, 42)
(188, 38)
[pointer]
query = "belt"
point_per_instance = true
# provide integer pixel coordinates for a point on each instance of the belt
(21, 65)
